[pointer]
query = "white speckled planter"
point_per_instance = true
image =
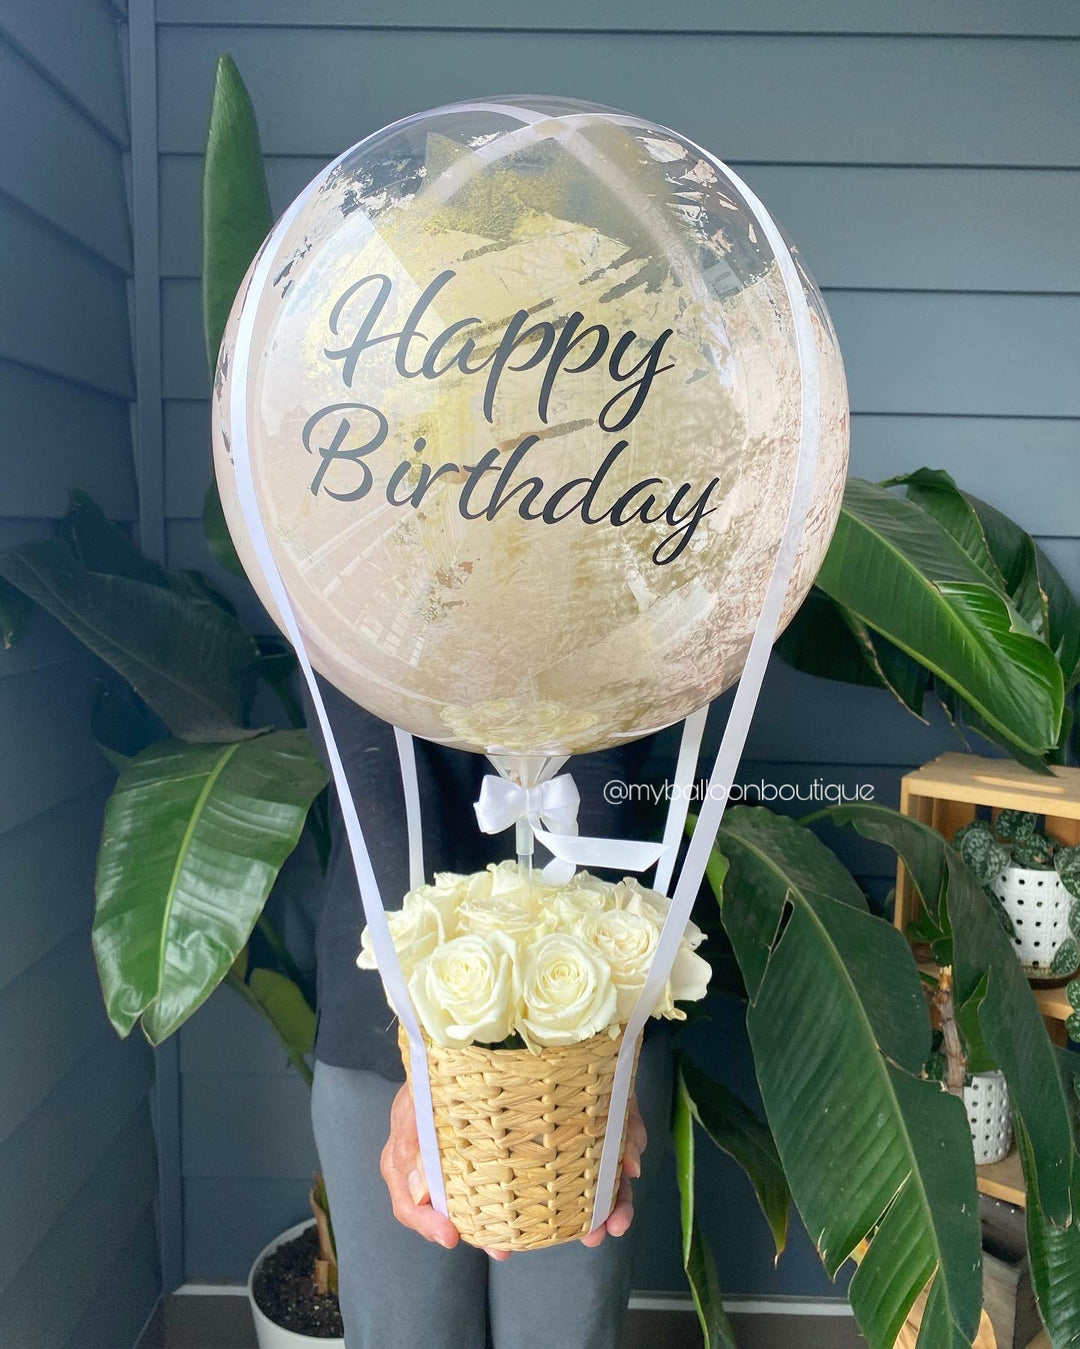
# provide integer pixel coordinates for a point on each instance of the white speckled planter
(986, 1099)
(1038, 906)
(267, 1332)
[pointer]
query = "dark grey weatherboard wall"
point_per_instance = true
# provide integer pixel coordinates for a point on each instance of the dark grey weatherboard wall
(923, 156)
(78, 1250)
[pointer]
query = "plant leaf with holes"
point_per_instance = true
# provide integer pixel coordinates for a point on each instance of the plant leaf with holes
(840, 1030)
(194, 838)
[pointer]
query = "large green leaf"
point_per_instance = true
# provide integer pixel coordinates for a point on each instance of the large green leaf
(1001, 549)
(697, 1257)
(895, 567)
(840, 1030)
(103, 546)
(282, 1002)
(218, 538)
(1053, 1256)
(15, 610)
(1017, 554)
(966, 722)
(236, 212)
(194, 837)
(735, 1129)
(194, 665)
(987, 973)
(829, 641)
(936, 493)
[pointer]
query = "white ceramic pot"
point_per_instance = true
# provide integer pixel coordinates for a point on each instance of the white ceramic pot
(269, 1334)
(1038, 907)
(986, 1099)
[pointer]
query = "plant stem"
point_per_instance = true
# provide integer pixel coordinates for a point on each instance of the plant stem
(276, 943)
(955, 1059)
(295, 1057)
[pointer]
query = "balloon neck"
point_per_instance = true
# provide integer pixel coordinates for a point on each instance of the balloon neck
(527, 770)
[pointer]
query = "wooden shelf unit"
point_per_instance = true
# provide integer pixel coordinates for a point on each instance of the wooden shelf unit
(946, 794)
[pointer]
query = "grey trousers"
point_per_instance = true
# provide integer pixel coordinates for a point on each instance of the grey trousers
(401, 1292)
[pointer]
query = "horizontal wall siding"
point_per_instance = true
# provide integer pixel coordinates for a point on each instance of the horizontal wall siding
(781, 99)
(1044, 18)
(78, 1248)
(923, 157)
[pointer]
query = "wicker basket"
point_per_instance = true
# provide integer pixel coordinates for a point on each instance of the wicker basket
(520, 1137)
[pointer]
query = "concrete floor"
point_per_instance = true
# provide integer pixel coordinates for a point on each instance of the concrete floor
(224, 1322)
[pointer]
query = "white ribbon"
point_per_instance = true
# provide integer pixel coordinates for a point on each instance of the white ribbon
(411, 786)
(551, 812)
(746, 695)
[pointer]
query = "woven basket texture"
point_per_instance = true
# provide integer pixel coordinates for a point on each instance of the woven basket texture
(520, 1136)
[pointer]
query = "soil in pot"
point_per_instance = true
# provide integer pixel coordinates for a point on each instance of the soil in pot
(283, 1289)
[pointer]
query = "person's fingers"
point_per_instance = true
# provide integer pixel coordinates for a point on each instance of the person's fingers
(500, 1255)
(401, 1170)
(636, 1131)
(622, 1215)
(637, 1139)
(595, 1237)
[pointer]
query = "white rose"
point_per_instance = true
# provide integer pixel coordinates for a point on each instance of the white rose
(567, 992)
(567, 907)
(689, 976)
(631, 894)
(501, 900)
(416, 929)
(627, 941)
(465, 992)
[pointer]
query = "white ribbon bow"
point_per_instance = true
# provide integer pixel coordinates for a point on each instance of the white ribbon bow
(551, 812)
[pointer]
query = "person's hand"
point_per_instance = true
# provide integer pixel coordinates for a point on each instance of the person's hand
(404, 1175)
(622, 1215)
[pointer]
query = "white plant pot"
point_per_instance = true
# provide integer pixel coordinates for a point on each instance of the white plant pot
(269, 1334)
(1038, 907)
(986, 1099)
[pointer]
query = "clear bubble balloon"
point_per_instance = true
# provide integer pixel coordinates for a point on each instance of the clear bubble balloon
(523, 411)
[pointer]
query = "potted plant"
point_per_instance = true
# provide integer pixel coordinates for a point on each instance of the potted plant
(1036, 879)
(206, 806)
(290, 1305)
(850, 1058)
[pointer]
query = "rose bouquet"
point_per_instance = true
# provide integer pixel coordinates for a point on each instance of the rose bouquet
(494, 956)
(522, 989)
